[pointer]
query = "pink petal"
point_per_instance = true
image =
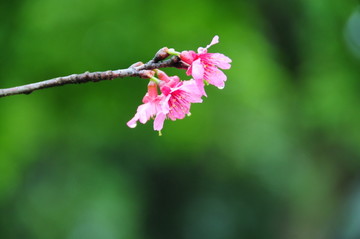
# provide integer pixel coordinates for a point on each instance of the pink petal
(165, 90)
(188, 71)
(194, 93)
(174, 80)
(220, 60)
(215, 77)
(159, 121)
(188, 56)
(164, 105)
(202, 50)
(152, 90)
(179, 115)
(201, 86)
(132, 122)
(144, 112)
(214, 41)
(197, 70)
(175, 114)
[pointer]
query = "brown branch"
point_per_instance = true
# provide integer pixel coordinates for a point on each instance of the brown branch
(137, 69)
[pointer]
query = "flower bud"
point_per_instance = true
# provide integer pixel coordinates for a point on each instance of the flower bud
(161, 54)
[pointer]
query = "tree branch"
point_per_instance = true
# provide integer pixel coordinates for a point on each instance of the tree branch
(138, 69)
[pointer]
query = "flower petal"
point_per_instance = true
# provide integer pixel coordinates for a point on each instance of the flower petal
(189, 70)
(159, 121)
(194, 93)
(132, 122)
(214, 41)
(220, 60)
(197, 70)
(215, 77)
(152, 90)
(188, 56)
(201, 86)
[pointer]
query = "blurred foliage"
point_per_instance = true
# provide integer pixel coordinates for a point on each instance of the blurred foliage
(276, 154)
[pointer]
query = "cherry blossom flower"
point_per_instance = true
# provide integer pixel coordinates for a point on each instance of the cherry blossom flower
(153, 107)
(204, 66)
(173, 102)
(179, 95)
(176, 97)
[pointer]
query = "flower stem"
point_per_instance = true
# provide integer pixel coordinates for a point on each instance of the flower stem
(172, 51)
(156, 80)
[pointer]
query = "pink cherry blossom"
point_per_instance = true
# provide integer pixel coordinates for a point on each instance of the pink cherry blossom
(153, 107)
(204, 66)
(179, 95)
(173, 102)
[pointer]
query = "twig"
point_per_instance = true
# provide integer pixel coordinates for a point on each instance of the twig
(137, 69)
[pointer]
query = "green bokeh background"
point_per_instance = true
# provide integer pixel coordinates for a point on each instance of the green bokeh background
(276, 154)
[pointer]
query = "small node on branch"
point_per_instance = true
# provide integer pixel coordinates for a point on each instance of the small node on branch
(137, 64)
(146, 74)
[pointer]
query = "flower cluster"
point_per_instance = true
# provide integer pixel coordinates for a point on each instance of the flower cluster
(176, 96)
